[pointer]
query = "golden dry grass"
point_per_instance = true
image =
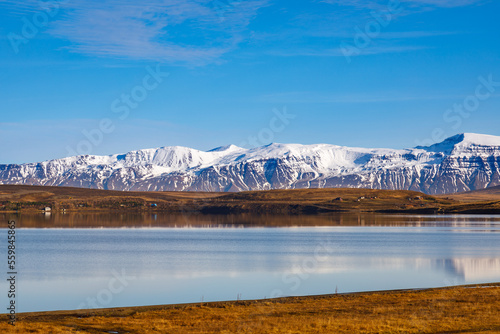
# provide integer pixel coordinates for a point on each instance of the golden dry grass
(291, 201)
(446, 310)
(488, 194)
(35, 198)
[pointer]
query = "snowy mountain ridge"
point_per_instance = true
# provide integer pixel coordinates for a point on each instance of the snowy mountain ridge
(463, 162)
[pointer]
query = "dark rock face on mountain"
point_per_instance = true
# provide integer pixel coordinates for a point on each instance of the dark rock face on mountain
(460, 163)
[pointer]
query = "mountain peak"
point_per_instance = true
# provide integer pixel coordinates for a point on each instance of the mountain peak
(462, 162)
(462, 140)
(227, 148)
(480, 139)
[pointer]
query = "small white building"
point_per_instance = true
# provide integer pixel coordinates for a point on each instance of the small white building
(47, 209)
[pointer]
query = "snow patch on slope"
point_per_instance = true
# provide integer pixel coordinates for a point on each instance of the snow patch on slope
(459, 163)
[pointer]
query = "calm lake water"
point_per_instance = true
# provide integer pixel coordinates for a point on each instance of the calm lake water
(70, 262)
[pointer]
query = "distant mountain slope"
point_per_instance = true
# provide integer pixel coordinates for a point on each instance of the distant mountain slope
(460, 163)
(488, 194)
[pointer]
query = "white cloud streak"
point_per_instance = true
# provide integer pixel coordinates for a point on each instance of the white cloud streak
(185, 31)
(370, 4)
(331, 98)
(197, 32)
(336, 52)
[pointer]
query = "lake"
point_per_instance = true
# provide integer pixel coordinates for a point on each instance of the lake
(71, 261)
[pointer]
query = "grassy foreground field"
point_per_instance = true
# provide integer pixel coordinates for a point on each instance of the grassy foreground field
(465, 309)
(20, 198)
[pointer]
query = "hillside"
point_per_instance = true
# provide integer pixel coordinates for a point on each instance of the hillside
(488, 194)
(460, 163)
(36, 198)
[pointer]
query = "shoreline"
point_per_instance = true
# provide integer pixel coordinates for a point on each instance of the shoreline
(120, 220)
(470, 308)
(276, 300)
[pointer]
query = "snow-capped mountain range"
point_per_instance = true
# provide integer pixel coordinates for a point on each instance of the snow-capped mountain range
(460, 163)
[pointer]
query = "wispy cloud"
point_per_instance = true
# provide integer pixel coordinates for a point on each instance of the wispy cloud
(336, 52)
(387, 42)
(330, 33)
(324, 97)
(202, 31)
(192, 31)
(442, 3)
(341, 23)
(378, 4)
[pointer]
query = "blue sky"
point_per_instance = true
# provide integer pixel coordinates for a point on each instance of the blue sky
(78, 76)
